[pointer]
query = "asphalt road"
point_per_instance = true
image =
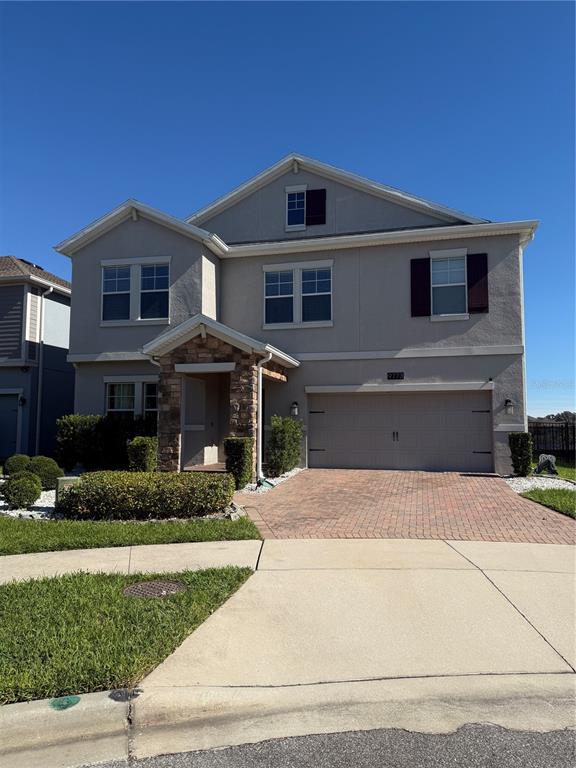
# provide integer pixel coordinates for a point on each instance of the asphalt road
(473, 746)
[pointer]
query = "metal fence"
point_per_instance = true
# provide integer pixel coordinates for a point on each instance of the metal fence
(551, 436)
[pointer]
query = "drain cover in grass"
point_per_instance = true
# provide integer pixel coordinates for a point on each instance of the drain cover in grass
(154, 589)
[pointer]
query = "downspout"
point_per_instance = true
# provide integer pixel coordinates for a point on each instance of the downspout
(259, 474)
(40, 369)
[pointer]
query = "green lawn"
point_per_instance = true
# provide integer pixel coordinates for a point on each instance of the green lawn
(78, 633)
(19, 536)
(565, 468)
(560, 499)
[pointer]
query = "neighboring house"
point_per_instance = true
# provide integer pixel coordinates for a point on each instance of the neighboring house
(392, 326)
(36, 381)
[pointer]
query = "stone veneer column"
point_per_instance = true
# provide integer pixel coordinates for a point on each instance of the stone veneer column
(169, 426)
(244, 400)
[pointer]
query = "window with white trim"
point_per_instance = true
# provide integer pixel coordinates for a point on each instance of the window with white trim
(296, 208)
(279, 297)
(150, 398)
(316, 295)
(116, 293)
(154, 283)
(120, 398)
(448, 285)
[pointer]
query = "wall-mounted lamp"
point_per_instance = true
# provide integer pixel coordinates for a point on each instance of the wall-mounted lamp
(22, 401)
(294, 409)
(509, 407)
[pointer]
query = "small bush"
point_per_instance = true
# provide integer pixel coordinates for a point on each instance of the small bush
(239, 461)
(16, 463)
(146, 495)
(21, 490)
(521, 450)
(47, 470)
(143, 454)
(76, 441)
(283, 448)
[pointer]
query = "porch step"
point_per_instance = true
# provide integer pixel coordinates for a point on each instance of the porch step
(220, 467)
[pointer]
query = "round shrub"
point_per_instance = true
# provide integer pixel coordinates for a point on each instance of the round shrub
(47, 470)
(16, 463)
(21, 490)
(146, 495)
(142, 454)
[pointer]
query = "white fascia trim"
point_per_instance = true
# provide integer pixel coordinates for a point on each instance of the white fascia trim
(109, 357)
(281, 265)
(204, 367)
(370, 239)
(134, 208)
(432, 386)
(36, 281)
(336, 174)
(513, 349)
(130, 379)
(199, 323)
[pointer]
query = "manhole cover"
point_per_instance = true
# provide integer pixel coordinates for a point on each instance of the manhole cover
(154, 589)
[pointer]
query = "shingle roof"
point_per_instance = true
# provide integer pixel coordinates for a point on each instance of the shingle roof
(10, 266)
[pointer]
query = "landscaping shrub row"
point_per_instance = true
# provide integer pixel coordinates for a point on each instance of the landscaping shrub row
(98, 442)
(146, 495)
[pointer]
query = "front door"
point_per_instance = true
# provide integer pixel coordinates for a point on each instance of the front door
(8, 425)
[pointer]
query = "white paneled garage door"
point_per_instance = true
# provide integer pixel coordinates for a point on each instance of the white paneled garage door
(418, 430)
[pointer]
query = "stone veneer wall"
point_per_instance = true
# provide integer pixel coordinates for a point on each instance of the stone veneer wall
(243, 394)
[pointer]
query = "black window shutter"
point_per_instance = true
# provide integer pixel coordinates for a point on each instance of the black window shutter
(420, 287)
(477, 270)
(315, 207)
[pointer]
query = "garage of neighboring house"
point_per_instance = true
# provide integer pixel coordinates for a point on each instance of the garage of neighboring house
(408, 430)
(9, 424)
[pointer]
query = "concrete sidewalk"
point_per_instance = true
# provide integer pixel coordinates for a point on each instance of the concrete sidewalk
(147, 558)
(352, 635)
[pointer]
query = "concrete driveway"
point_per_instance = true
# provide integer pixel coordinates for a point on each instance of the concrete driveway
(351, 635)
(365, 504)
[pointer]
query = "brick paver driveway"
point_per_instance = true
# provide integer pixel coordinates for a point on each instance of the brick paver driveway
(364, 503)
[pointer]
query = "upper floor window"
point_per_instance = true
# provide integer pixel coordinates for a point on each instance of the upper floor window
(449, 292)
(116, 293)
(316, 295)
(298, 294)
(296, 209)
(279, 297)
(154, 291)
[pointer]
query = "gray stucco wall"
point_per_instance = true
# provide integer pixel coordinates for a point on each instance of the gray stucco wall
(371, 300)
(262, 215)
(131, 241)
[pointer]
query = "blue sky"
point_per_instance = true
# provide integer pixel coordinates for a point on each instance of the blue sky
(467, 104)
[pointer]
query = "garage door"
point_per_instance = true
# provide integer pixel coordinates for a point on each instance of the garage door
(428, 431)
(8, 425)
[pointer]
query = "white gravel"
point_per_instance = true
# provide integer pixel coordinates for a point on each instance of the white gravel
(41, 510)
(274, 481)
(522, 484)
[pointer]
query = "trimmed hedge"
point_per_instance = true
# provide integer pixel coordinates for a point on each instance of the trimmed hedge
(16, 463)
(47, 470)
(98, 442)
(146, 495)
(521, 450)
(283, 448)
(21, 490)
(143, 454)
(239, 452)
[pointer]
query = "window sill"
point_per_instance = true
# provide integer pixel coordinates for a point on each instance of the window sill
(448, 318)
(295, 227)
(287, 326)
(118, 323)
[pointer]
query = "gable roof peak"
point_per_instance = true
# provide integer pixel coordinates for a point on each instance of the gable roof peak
(361, 183)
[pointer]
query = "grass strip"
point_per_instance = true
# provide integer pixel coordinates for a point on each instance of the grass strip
(559, 499)
(19, 536)
(78, 633)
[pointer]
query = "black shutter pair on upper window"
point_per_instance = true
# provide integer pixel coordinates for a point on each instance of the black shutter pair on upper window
(315, 207)
(477, 284)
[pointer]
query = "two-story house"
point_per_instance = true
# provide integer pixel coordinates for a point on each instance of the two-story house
(36, 381)
(392, 326)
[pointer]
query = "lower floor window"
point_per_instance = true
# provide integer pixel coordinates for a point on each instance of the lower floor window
(137, 399)
(120, 398)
